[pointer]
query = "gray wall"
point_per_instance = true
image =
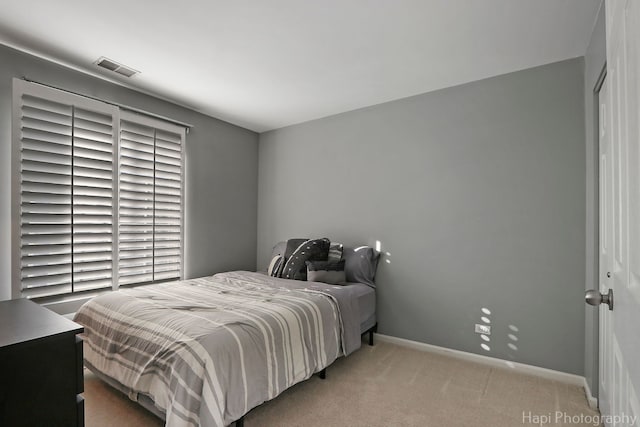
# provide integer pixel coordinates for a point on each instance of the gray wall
(595, 60)
(477, 193)
(221, 170)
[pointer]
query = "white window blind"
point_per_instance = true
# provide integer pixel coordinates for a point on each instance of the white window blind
(151, 192)
(97, 195)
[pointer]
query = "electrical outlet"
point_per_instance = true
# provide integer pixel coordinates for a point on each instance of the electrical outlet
(483, 329)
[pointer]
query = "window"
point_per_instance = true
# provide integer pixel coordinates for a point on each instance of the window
(98, 195)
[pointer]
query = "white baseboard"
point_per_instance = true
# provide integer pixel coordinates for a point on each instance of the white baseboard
(593, 401)
(491, 361)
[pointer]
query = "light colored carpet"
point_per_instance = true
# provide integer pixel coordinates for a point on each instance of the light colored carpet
(387, 385)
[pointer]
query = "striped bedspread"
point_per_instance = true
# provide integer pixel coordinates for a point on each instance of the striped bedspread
(208, 350)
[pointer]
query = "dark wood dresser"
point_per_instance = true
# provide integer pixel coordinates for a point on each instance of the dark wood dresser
(40, 367)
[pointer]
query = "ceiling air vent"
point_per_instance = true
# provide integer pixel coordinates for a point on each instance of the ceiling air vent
(112, 65)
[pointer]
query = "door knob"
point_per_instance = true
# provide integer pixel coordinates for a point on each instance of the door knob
(593, 297)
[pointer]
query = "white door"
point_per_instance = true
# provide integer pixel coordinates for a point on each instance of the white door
(606, 245)
(620, 154)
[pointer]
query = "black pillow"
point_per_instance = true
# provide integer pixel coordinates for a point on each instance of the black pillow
(311, 250)
(292, 245)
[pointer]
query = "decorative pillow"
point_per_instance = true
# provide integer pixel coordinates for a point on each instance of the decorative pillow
(311, 250)
(292, 245)
(335, 252)
(276, 265)
(326, 271)
(285, 249)
(360, 264)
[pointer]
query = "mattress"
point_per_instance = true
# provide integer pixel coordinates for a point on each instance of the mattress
(366, 297)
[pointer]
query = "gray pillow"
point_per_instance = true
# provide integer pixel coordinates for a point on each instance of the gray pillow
(360, 264)
(326, 272)
(310, 250)
(279, 249)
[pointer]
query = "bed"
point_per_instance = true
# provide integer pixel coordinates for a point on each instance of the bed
(206, 351)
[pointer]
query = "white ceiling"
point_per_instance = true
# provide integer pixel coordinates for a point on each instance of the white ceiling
(265, 64)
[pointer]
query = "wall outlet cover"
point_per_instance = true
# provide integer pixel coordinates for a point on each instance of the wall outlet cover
(483, 329)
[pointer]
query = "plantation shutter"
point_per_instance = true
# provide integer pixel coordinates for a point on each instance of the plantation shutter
(97, 195)
(93, 211)
(64, 193)
(151, 192)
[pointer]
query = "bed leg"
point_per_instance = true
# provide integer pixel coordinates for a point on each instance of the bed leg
(371, 331)
(240, 422)
(323, 374)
